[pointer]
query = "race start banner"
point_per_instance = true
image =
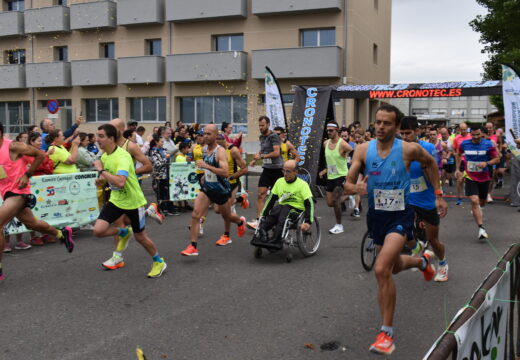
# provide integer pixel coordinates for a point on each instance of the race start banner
(274, 108)
(184, 184)
(511, 94)
(62, 200)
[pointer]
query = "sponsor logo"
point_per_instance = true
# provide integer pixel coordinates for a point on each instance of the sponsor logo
(51, 191)
(63, 202)
(56, 215)
(74, 188)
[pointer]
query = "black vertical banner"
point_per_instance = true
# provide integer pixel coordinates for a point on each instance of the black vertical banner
(306, 128)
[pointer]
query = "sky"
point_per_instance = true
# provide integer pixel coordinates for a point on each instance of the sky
(432, 41)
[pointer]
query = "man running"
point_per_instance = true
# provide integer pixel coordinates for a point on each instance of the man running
(16, 192)
(390, 219)
(464, 135)
(214, 189)
(336, 152)
(116, 169)
(448, 158)
(480, 154)
(422, 197)
(287, 148)
(270, 153)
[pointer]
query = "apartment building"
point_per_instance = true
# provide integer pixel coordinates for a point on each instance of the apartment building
(192, 60)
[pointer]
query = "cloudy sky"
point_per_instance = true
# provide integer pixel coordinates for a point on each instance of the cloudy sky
(432, 41)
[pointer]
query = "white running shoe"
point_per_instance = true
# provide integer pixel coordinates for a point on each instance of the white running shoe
(115, 262)
(489, 199)
(337, 229)
(482, 234)
(153, 212)
(442, 273)
(253, 224)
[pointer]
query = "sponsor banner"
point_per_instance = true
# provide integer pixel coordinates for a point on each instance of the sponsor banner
(62, 200)
(183, 181)
(511, 94)
(274, 108)
(397, 91)
(307, 125)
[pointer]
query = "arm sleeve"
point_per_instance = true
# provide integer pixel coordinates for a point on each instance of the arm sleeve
(70, 132)
(309, 211)
(271, 200)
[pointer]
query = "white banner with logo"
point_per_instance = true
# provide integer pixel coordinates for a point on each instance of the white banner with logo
(184, 184)
(62, 200)
(511, 94)
(273, 101)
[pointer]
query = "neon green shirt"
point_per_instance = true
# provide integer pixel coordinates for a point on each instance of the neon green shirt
(58, 157)
(180, 158)
(336, 164)
(293, 194)
(120, 162)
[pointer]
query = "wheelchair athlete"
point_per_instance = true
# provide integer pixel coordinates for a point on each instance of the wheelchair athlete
(293, 194)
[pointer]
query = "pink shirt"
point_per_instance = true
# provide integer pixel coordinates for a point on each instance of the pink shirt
(11, 171)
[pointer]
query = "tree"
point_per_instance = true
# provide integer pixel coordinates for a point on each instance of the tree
(500, 33)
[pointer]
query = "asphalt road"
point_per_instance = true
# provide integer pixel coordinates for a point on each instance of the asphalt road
(226, 304)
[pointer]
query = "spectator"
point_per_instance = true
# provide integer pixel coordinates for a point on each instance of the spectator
(227, 128)
(183, 135)
(155, 130)
(92, 145)
(85, 157)
(33, 128)
(184, 149)
(47, 125)
(22, 137)
(160, 184)
(130, 135)
(132, 125)
(63, 160)
(168, 143)
(139, 136)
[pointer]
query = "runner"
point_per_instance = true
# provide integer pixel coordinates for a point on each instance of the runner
(422, 197)
(287, 148)
(359, 139)
(197, 155)
(214, 189)
(390, 220)
(272, 164)
(336, 152)
(490, 135)
(116, 169)
(16, 192)
(464, 135)
(480, 154)
(438, 147)
(448, 167)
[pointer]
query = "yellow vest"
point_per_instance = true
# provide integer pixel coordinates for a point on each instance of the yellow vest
(231, 164)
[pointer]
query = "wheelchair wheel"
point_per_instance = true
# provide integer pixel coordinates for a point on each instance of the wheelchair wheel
(368, 252)
(308, 242)
(258, 252)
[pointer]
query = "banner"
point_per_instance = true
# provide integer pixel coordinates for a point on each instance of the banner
(184, 184)
(309, 114)
(274, 108)
(511, 94)
(62, 200)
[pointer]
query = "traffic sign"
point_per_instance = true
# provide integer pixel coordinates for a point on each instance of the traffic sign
(53, 106)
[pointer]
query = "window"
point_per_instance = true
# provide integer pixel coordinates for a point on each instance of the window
(153, 47)
(61, 53)
(478, 111)
(439, 111)
(229, 42)
(14, 116)
(15, 5)
(148, 109)
(419, 111)
(215, 110)
(286, 98)
(61, 2)
(107, 50)
(374, 54)
(101, 109)
(458, 112)
(318, 37)
(15, 56)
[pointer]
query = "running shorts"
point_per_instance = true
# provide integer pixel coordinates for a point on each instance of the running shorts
(30, 199)
(269, 177)
(430, 216)
(334, 183)
(111, 213)
(216, 197)
(477, 188)
(382, 223)
(235, 185)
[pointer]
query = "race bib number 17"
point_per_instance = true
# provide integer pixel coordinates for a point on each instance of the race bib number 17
(389, 200)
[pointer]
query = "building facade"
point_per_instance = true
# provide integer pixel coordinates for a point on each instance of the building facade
(191, 60)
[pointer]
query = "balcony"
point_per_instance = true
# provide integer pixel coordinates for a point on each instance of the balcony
(47, 20)
(140, 12)
(140, 70)
(212, 66)
(278, 7)
(12, 76)
(51, 74)
(11, 23)
(93, 15)
(196, 10)
(307, 62)
(94, 72)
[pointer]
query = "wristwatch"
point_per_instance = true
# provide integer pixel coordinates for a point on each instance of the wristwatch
(28, 174)
(100, 172)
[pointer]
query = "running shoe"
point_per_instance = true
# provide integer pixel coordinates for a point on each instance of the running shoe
(417, 250)
(245, 201)
(157, 269)
(37, 241)
(22, 246)
(122, 245)
(173, 212)
(7, 248)
(355, 213)
(384, 344)
(241, 229)
(115, 262)
(88, 227)
(153, 212)
(66, 238)
(223, 241)
(482, 234)
(489, 199)
(429, 271)
(442, 273)
(459, 201)
(253, 224)
(48, 239)
(190, 251)
(336, 229)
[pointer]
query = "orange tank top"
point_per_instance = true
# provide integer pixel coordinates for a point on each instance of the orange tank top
(11, 171)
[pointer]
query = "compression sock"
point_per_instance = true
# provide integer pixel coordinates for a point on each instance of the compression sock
(157, 258)
(122, 231)
(388, 330)
(442, 262)
(194, 244)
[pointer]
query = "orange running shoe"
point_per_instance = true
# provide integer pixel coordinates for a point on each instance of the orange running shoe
(245, 202)
(384, 344)
(190, 251)
(223, 241)
(429, 272)
(241, 229)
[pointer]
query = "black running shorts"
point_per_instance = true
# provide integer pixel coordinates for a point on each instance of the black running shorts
(111, 213)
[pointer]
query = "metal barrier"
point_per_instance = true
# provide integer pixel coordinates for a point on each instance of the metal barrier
(447, 344)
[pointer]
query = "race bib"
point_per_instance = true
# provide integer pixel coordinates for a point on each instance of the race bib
(3, 175)
(332, 170)
(472, 166)
(389, 200)
(268, 161)
(418, 185)
(210, 176)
